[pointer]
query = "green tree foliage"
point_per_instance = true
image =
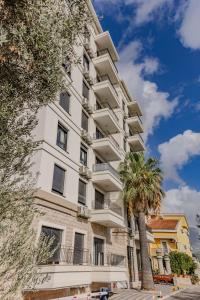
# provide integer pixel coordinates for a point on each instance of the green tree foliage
(37, 37)
(181, 263)
(142, 193)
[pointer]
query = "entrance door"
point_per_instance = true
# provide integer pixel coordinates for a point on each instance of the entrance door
(78, 248)
(98, 252)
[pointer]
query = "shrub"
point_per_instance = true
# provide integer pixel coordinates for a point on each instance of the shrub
(181, 263)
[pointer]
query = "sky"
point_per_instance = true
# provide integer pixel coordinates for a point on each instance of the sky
(159, 46)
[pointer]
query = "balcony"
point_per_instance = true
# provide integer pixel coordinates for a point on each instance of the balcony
(109, 215)
(105, 91)
(106, 177)
(69, 267)
(107, 148)
(106, 66)
(135, 123)
(106, 119)
(150, 237)
(134, 109)
(104, 40)
(109, 267)
(136, 142)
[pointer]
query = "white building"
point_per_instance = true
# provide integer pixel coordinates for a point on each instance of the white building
(84, 135)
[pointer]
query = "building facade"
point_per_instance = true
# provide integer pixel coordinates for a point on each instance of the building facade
(84, 136)
(171, 233)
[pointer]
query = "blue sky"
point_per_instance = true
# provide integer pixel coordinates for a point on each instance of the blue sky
(159, 46)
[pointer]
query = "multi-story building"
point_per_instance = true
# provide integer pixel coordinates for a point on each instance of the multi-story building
(84, 136)
(171, 233)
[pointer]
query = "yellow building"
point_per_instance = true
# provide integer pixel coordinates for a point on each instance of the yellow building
(171, 233)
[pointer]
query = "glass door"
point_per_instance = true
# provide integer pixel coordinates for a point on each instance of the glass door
(98, 252)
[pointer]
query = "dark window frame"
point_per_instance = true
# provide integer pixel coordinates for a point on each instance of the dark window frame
(67, 96)
(84, 121)
(63, 146)
(85, 90)
(82, 197)
(49, 232)
(56, 189)
(84, 158)
(86, 63)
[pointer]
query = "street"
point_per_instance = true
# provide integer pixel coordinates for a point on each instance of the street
(189, 294)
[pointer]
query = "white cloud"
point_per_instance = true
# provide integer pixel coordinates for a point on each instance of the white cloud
(176, 152)
(155, 104)
(190, 25)
(145, 9)
(183, 200)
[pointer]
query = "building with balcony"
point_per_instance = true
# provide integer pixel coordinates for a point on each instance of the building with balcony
(171, 233)
(84, 136)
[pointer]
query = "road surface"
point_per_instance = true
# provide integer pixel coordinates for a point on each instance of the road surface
(188, 294)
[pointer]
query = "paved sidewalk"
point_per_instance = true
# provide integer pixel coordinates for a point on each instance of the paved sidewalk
(192, 293)
(142, 295)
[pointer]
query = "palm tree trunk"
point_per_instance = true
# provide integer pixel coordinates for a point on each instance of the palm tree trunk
(147, 277)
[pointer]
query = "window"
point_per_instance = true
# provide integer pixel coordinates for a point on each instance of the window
(85, 91)
(56, 235)
(124, 144)
(65, 101)
(83, 155)
(67, 66)
(84, 121)
(82, 192)
(99, 200)
(58, 180)
(123, 106)
(62, 137)
(86, 63)
(99, 134)
(98, 252)
(78, 248)
(124, 125)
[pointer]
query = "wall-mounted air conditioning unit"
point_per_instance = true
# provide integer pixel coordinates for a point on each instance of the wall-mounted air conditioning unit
(83, 212)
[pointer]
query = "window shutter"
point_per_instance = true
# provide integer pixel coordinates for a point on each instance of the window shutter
(58, 180)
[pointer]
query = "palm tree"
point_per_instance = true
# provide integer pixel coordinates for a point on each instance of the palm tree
(142, 179)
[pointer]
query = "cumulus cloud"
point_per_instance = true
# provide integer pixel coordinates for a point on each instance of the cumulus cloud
(189, 29)
(176, 152)
(145, 10)
(183, 200)
(155, 104)
(142, 10)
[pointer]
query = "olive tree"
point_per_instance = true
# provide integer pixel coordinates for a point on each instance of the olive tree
(37, 38)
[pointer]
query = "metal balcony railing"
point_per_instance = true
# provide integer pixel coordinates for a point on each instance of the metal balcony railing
(70, 256)
(108, 259)
(106, 51)
(110, 137)
(106, 105)
(106, 167)
(106, 78)
(136, 133)
(104, 204)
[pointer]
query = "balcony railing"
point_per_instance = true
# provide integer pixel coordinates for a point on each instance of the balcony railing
(99, 204)
(70, 256)
(106, 51)
(104, 78)
(108, 259)
(136, 133)
(106, 105)
(106, 167)
(96, 136)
